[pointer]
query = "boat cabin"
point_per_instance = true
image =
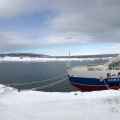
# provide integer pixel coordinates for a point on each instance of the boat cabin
(115, 65)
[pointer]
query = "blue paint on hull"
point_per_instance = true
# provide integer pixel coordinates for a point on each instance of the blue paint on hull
(94, 81)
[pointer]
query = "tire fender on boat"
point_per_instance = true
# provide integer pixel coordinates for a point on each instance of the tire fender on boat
(101, 78)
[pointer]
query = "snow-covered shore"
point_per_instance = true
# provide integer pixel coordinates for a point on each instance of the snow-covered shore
(35, 59)
(34, 105)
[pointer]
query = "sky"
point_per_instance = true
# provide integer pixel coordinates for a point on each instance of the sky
(55, 27)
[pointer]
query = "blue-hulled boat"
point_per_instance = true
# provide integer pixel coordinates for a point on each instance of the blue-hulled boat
(96, 77)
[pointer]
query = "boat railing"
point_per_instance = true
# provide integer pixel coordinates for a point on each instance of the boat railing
(84, 68)
(104, 67)
(91, 68)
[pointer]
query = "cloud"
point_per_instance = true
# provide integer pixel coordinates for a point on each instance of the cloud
(76, 21)
(10, 8)
(99, 19)
(13, 39)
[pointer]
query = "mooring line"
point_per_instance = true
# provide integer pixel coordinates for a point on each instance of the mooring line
(34, 82)
(49, 85)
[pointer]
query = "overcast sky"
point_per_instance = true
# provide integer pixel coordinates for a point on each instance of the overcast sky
(54, 27)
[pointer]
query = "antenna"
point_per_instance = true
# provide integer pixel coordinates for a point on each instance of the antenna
(69, 59)
(68, 63)
(69, 55)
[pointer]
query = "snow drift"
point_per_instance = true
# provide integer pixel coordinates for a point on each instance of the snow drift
(34, 105)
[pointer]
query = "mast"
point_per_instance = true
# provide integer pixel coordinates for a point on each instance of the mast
(68, 62)
(69, 59)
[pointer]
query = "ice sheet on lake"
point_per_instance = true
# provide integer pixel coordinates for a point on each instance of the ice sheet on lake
(33, 59)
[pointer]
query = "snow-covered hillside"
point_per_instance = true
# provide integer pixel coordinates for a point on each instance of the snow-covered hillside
(34, 105)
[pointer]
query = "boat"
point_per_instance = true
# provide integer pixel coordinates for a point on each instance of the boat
(96, 77)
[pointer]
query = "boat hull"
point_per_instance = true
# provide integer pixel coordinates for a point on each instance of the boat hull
(91, 80)
(93, 88)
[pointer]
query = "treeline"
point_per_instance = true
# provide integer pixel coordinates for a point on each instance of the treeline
(87, 56)
(24, 55)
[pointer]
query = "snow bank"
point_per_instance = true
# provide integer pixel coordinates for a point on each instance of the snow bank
(34, 105)
(33, 59)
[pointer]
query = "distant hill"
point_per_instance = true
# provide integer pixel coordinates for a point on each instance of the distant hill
(24, 55)
(48, 56)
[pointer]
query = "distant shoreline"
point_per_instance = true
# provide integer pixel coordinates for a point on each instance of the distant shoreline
(32, 55)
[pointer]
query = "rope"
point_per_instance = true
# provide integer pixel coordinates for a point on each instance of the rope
(34, 82)
(102, 79)
(49, 85)
(106, 85)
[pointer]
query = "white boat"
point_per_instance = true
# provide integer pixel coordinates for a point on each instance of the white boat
(96, 77)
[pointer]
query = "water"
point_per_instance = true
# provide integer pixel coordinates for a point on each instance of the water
(23, 72)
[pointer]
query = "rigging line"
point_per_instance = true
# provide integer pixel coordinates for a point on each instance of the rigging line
(106, 85)
(35, 82)
(49, 85)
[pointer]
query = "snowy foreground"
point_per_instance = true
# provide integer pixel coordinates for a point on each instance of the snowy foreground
(29, 59)
(34, 105)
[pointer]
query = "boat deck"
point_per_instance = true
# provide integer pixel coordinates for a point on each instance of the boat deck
(94, 68)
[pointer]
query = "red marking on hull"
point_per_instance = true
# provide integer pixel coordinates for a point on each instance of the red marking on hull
(93, 88)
